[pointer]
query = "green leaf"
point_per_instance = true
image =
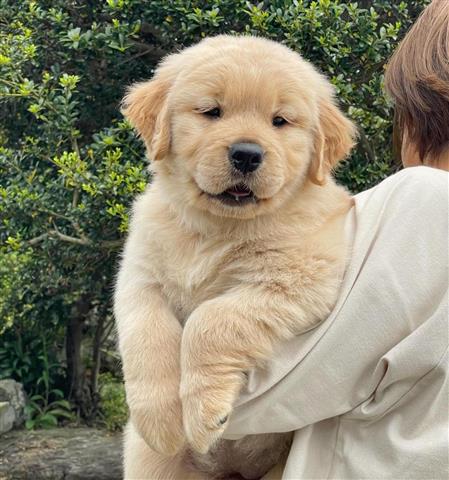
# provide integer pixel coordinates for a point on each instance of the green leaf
(29, 424)
(47, 420)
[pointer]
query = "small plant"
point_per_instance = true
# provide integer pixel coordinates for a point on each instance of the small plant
(45, 414)
(46, 410)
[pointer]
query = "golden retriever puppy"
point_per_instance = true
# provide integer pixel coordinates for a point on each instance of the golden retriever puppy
(236, 245)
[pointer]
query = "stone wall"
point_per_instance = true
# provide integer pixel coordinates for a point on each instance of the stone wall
(12, 404)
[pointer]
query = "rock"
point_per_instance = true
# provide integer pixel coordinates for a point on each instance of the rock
(61, 454)
(7, 417)
(12, 392)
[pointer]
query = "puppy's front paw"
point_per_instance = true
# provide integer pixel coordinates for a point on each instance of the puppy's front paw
(207, 401)
(160, 425)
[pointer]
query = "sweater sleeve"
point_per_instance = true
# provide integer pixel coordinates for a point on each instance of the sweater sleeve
(394, 295)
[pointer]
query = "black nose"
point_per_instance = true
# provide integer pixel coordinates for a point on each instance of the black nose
(245, 157)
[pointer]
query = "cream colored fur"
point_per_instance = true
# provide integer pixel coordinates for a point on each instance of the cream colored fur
(205, 290)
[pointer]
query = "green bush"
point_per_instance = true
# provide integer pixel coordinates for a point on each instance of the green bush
(114, 411)
(70, 165)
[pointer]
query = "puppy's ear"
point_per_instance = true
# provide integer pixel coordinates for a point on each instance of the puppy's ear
(145, 107)
(334, 138)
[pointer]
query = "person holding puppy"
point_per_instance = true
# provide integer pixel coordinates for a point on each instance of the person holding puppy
(366, 392)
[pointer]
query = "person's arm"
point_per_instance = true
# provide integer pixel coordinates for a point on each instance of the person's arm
(397, 272)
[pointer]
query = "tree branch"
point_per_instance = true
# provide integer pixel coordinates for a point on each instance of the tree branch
(111, 244)
(105, 244)
(67, 238)
(38, 239)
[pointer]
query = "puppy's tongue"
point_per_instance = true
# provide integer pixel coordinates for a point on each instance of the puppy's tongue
(239, 191)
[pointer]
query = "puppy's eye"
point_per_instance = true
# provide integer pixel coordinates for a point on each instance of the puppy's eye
(279, 121)
(213, 112)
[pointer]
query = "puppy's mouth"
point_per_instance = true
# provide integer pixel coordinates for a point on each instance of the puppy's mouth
(236, 196)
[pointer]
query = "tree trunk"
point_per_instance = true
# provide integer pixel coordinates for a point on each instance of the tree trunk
(75, 369)
(96, 360)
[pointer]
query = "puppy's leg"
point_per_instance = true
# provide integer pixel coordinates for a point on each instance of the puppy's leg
(149, 341)
(231, 334)
(142, 463)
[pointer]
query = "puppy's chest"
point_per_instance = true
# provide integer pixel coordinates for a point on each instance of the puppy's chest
(191, 272)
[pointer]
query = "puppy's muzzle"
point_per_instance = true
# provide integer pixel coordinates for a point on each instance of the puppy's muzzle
(245, 157)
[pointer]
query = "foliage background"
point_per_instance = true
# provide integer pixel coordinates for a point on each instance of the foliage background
(70, 165)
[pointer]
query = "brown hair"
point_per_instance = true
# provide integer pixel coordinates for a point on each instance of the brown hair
(417, 79)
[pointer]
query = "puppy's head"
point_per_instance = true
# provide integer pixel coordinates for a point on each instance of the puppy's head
(237, 125)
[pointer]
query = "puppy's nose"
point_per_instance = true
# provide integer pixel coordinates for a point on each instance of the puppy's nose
(245, 157)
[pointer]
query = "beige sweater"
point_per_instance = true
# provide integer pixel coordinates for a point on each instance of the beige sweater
(366, 392)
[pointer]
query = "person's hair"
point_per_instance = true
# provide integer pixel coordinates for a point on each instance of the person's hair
(417, 79)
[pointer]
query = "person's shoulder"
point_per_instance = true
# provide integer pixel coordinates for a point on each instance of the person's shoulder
(418, 184)
(419, 176)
